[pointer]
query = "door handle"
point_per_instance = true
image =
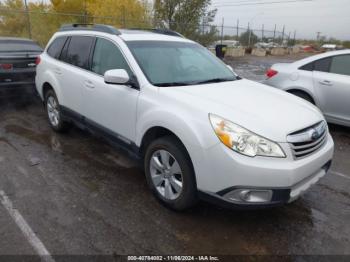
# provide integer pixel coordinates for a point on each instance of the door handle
(326, 83)
(89, 84)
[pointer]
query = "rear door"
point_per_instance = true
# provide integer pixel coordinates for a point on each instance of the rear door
(72, 73)
(332, 82)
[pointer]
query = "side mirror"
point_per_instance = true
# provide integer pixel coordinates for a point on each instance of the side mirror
(116, 76)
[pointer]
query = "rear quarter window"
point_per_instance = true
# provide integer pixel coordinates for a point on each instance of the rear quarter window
(56, 47)
(308, 67)
(78, 52)
(323, 65)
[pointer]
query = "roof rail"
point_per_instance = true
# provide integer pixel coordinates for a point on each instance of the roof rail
(166, 32)
(160, 31)
(91, 27)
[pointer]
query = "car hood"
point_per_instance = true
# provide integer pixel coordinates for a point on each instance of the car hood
(264, 110)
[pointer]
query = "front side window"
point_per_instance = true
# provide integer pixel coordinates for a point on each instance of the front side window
(79, 50)
(340, 65)
(107, 56)
(178, 63)
(55, 48)
(322, 65)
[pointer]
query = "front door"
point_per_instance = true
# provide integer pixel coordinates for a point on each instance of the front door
(109, 106)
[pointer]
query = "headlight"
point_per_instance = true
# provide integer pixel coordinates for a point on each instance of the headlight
(242, 140)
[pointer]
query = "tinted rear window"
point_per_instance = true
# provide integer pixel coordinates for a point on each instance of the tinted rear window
(19, 46)
(79, 51)
(56, 47)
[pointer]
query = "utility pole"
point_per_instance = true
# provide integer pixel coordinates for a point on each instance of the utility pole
(28, 18)
(85, 13)
(318, 36)
(237, 29)
(222, 30)
(283, 34)
(124, 18)
(250, 34)
(274, 33)
(288, 39)
(295, 33)
(262, 33)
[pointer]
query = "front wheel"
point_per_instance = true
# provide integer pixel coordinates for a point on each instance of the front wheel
(169, 173)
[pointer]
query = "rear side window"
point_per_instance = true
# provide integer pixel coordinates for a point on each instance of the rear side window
(340, 65)
(323, 65)
(308, 67)
(107, 56)
(79, 51)
(55, 48)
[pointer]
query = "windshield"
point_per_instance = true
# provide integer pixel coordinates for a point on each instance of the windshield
(178, 63)
(19, 46)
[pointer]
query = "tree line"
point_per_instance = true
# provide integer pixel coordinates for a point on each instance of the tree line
(189, 17)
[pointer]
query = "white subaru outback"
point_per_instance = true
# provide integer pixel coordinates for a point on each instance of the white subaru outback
(201, 131)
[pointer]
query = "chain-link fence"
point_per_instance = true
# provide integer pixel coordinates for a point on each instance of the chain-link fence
(40, 25)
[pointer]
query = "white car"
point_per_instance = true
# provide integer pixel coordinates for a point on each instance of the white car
(201, 131)
(323, 80)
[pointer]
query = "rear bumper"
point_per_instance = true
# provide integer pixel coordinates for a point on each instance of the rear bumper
(17, 89)
(17, 77)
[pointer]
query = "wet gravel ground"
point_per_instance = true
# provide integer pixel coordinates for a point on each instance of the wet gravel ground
(81, 196)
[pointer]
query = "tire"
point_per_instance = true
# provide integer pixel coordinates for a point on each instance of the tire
(54, 114)
(177, 187)
(303, 95)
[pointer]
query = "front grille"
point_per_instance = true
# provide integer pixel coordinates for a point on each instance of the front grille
(309, 140)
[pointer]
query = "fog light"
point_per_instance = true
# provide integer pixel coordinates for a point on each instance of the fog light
(249, 196)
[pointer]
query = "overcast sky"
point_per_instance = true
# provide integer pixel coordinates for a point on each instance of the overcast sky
(330, 17)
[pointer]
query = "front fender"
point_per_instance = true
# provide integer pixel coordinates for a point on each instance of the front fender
(192, 133)
(196, 134)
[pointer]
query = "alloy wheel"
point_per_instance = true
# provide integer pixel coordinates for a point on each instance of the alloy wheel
(53, 111)
(166, 174)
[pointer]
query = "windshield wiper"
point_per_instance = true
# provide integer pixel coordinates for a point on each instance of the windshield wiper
(215, 80)
(173, 84)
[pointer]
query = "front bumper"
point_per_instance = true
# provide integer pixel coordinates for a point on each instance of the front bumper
(286, 179)
(279, 196)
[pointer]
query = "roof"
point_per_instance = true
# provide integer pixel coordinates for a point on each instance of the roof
(125, 34)
(320, 56)
(138, 35)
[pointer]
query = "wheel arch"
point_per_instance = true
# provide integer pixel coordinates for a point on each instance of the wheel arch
(49, 81)
(302, 90)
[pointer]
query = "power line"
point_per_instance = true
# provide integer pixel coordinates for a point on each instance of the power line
(261, 3)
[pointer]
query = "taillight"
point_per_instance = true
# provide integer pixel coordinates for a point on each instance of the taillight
(37, 60)
(271, 73)
(6, 66)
